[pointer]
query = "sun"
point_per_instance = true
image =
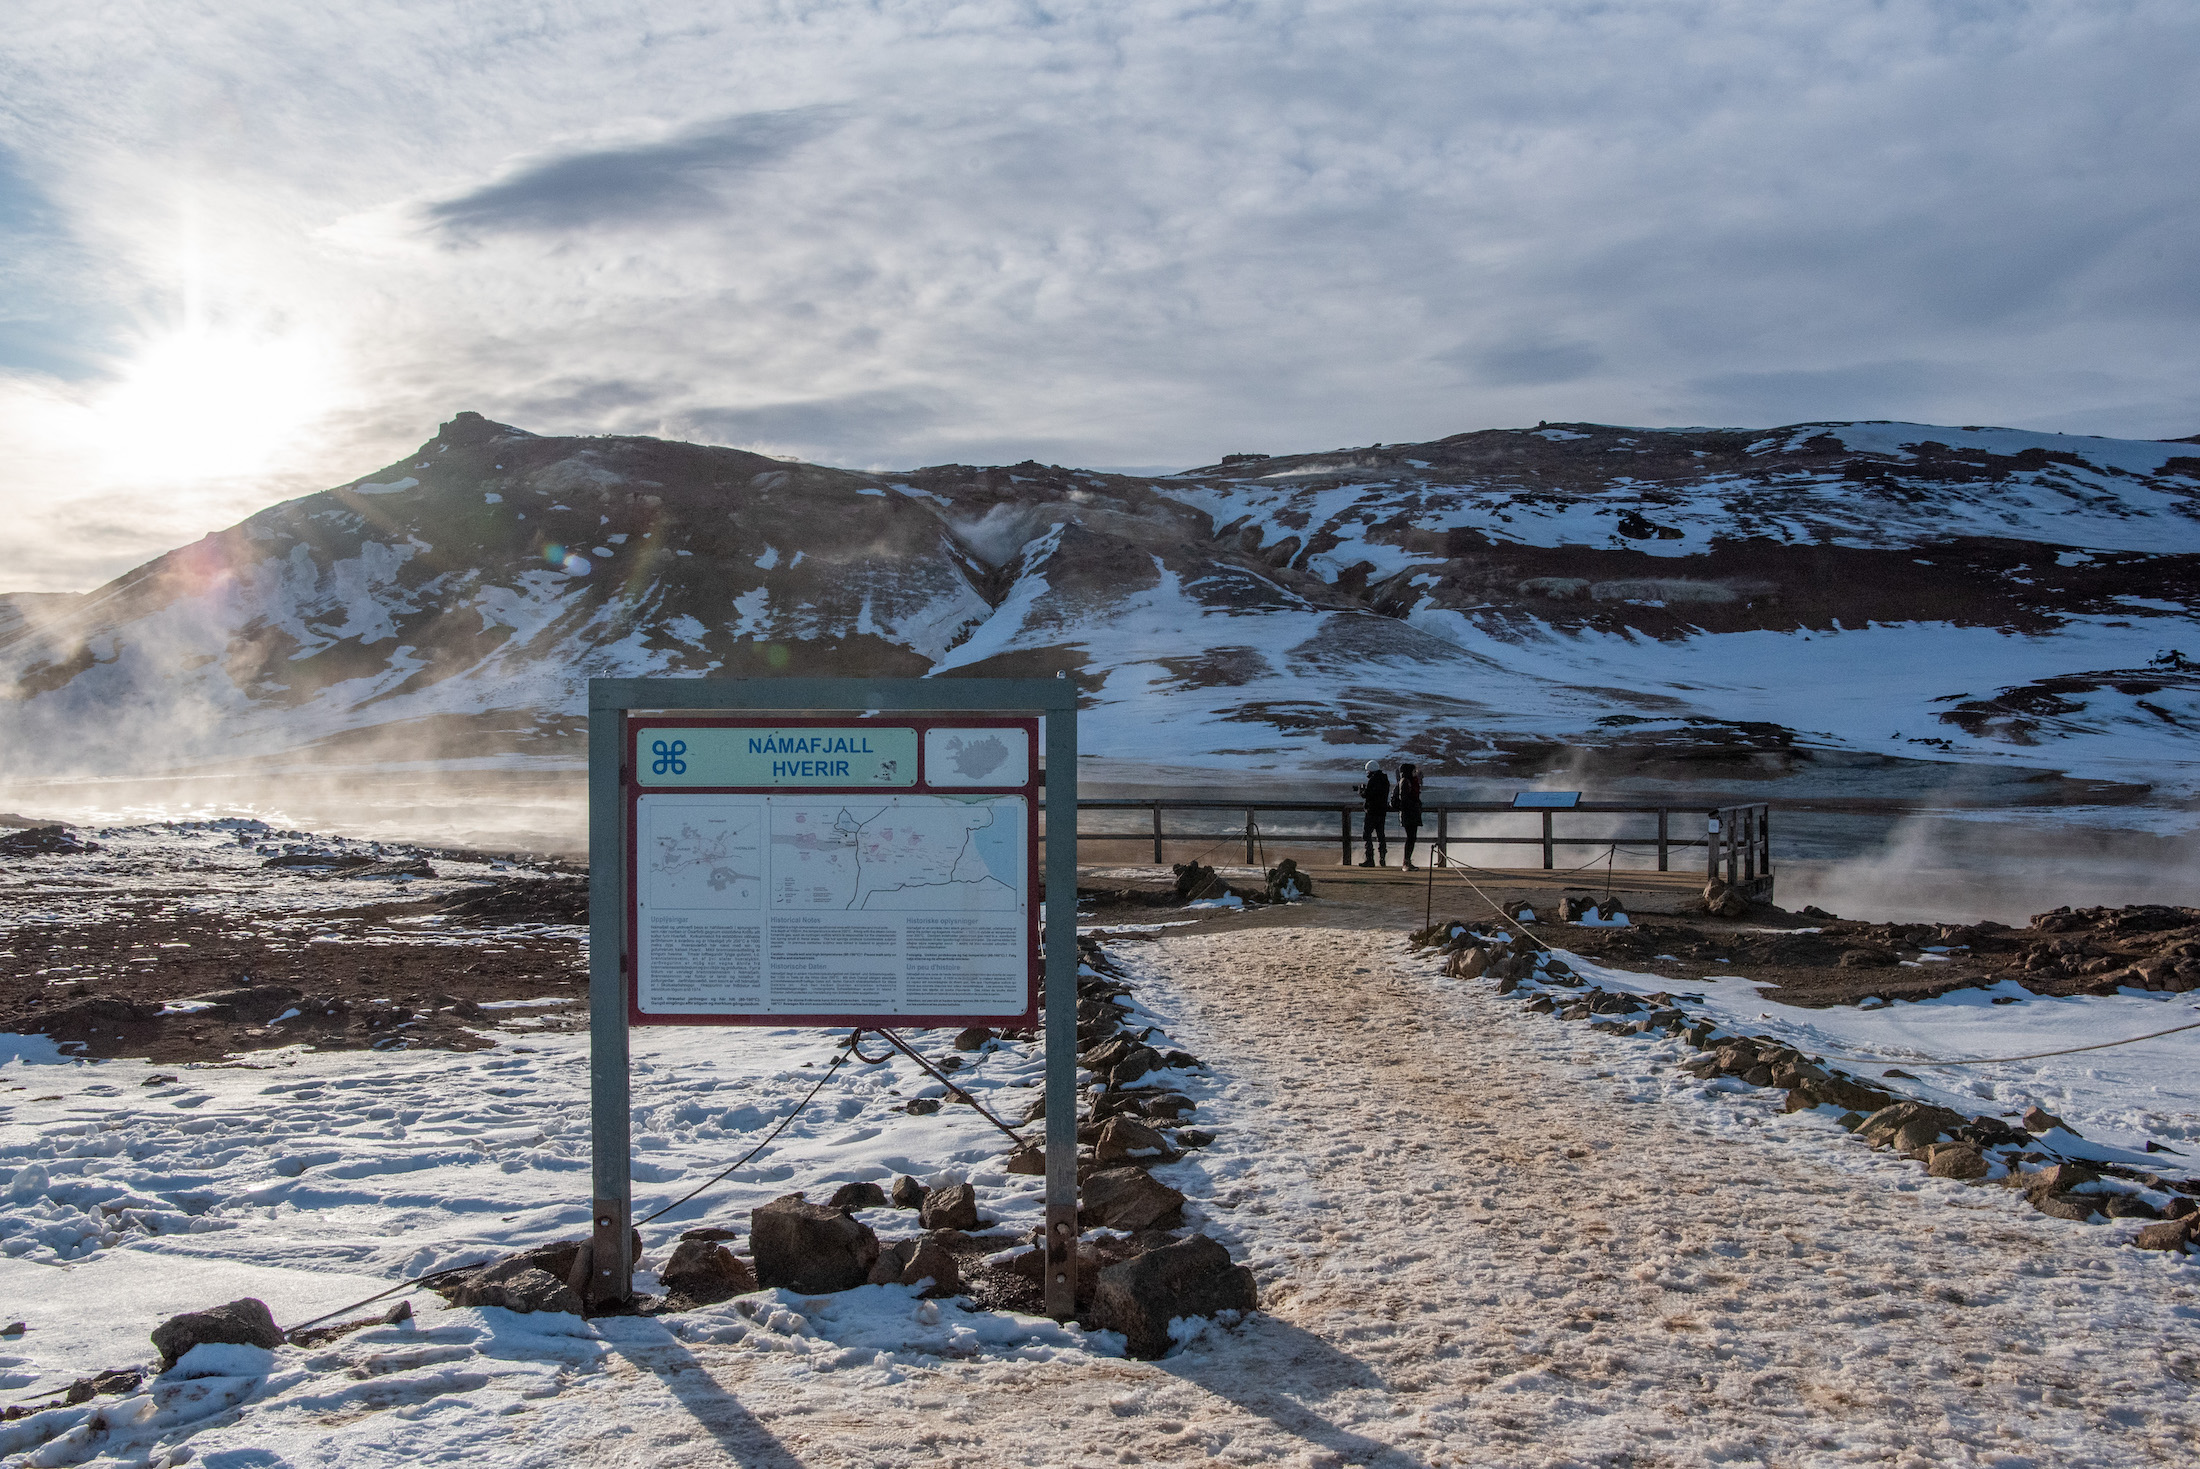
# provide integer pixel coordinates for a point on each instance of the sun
(205, 403)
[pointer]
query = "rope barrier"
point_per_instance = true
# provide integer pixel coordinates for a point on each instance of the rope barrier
(1999, 1060)
(838, 1062)
(419, 1280)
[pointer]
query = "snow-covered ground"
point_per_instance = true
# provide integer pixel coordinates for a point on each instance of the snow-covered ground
(2117, 1098)
(1483, 1236)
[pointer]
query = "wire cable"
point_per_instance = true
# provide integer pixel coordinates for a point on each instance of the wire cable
(838, 1062)
(1998, 1060)
(419, 1280)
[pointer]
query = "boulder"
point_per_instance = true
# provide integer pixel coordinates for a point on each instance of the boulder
(972, 1038)
(1908, 1126)
(245, 1322)
(1957, 1160)
(2170, 1234)
(930, 1260)
(517, 1283)
(1104, 1056)
(1286, 883)
(852, 1196)
(1196, 882)
(922, 1106)
(538, 1279)
(1139, 1061)
(1142, 1295)
(1467, 963)
(704, 1272)
(44, 841)
(952, 1207)
(2039, 1119)
(1126, 1140)
(2059, 1178)
(1129, 1199)
(809, 1247)
(908, 1193)
(1724, 901)
(2075, 1207)
(1915, 1135)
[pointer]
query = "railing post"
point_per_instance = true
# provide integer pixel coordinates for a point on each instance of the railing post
(1733, 855)
(1344, 837)
(1248, 838)
(1157, 833)
(1443, 835)
(1665, 850)
(1547, 864)
(1711, 836)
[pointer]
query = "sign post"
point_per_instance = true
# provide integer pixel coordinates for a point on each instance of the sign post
(859, 852)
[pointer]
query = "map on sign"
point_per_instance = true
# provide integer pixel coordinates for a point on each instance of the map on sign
(866, 903)
(913, 853)
(977, 757)
(704, 856)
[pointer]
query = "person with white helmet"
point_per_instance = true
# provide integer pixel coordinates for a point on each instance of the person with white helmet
(1374, 832)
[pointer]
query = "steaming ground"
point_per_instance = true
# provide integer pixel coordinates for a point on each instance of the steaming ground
(1483, 1237)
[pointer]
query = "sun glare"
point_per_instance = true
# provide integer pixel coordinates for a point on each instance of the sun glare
(204, 403)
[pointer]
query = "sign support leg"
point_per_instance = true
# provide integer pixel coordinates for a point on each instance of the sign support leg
(611, 1269)
(1061, 1014)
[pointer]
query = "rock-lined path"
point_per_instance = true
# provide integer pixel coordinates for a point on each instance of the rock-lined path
(1484, 1238)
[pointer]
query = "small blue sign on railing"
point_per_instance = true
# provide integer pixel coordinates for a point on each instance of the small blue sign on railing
(1546, 800)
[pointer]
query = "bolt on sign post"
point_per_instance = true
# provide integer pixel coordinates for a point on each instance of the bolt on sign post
(829, 852)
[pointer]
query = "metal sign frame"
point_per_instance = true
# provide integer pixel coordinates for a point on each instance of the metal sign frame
(610, 703)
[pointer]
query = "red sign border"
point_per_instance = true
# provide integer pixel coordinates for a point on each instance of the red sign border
(632, 789)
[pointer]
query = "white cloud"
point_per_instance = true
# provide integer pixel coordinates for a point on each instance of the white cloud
(1122, 232)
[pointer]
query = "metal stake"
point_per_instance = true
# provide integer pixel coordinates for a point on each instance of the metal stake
(611, 1277)
(1060, 1291)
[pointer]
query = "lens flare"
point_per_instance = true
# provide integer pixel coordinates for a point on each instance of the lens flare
(205, 402)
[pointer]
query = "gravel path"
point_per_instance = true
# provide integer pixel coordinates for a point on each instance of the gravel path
(1488, 1236)
(1484, 1237)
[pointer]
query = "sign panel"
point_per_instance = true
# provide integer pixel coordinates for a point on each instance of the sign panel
(761, 756)
(853, 871)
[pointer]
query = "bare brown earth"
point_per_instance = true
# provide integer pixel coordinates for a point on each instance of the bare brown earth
(139, 969)
(335, 980)
(1809, 958)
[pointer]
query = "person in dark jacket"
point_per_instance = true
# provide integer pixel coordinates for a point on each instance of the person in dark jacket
(1408, 801)
(1374, 832)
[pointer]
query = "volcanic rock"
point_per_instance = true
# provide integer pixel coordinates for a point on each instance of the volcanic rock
(1125, 1140)
(810, 1247)
(1191, 1278)
(2170, 1234)
(243, 1322)
(1957, 1160)
(954, 1206)
(1129, 1198)
(704, 1272)
(853, 1196)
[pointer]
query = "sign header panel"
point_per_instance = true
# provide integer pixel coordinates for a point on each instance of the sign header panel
(897, 885)
(763, 756)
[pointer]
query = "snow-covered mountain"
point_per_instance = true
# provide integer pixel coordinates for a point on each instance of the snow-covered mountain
(1501, 602)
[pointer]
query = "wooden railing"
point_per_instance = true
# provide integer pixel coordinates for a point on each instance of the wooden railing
(1748, 858)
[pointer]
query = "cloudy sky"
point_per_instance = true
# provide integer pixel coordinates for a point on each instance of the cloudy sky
(250, 248)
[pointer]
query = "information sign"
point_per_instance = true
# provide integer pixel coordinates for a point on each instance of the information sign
(874, 867)
(866, 870)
